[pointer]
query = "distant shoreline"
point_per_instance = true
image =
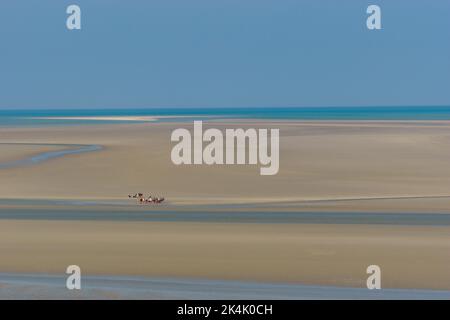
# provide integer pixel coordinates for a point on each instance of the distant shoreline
(11, 117)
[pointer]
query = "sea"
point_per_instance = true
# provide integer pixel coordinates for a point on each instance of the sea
(33, 117)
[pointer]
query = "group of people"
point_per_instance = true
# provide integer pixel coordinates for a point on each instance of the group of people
(141, 199)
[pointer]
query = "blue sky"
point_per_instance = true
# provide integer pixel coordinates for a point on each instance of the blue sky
(223, 53)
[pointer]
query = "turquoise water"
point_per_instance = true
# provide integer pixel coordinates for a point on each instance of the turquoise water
(25, 117)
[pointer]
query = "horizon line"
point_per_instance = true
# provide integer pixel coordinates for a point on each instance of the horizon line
(219, 107)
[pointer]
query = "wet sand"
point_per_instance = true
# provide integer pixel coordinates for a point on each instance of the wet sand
(44, 152)
(67, 211)
(42, 286)
(12, 152)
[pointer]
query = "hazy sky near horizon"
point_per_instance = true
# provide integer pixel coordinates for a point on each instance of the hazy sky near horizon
(219, 53)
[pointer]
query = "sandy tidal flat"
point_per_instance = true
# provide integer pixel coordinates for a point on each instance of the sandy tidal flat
(360, 167)
(318, 161)
(332, 255)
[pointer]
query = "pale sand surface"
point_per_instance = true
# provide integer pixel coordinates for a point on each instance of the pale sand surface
(318, 161)
(410, 257)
